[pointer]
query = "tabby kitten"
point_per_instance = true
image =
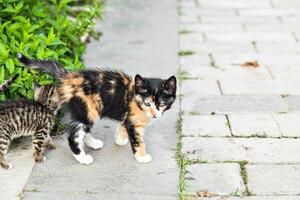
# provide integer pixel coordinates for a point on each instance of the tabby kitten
(105, 93)
(25, 117)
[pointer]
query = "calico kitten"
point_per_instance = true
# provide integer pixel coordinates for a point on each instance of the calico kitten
(113, 94)
(25, 117)
(7, 83)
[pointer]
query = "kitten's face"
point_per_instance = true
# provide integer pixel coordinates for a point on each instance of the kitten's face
(155, 96)
(47, 95)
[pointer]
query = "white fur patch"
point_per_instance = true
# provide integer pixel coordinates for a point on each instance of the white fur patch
(84, 159)
(143, 159)
(93, 142)
(118, 140)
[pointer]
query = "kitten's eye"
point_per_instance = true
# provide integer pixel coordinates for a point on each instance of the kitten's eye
(147, 104)
(162, 105)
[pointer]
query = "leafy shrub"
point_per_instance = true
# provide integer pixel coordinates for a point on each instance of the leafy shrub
(42, 29)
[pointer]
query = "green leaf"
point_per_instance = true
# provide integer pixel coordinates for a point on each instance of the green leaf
(10, 65)
(2, 73)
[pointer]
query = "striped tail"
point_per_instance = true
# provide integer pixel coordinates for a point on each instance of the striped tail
(51, 67)
(7, 83)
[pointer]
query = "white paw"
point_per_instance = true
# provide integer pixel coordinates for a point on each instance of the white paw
(119, 141)
(84, 159)
(44, 159)
(10, 166)
(143, 159)
(92, 142)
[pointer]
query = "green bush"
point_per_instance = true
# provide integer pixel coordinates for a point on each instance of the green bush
(42, 29)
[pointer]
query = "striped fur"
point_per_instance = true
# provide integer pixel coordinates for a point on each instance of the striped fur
(25, 117)
(93, 94)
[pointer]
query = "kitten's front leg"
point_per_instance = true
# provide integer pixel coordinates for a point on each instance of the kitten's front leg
(135, 133)
(121, 136)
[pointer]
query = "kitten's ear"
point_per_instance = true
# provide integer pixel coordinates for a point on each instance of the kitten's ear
(140, 84)
(170, 85)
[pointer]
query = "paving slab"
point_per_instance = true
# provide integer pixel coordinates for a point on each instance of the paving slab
(228, 72)
(195, 60)
(234, 4)
(287, 197)
(200, 88)
(92, 196)
(220, 179)
(250, 37)
(14, 180)
(215, 47)
(211, 28)
(263, 87)
(293, 103)
(254, 125)
(289, 124)
(255, 150)
(144, 42)
(274, 179)
(227, 104)
(205, 125)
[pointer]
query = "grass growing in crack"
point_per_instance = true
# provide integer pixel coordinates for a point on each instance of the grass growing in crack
(180, 158)
(194, 113)
(33, 190)
(184, 75)
(185, 53)
(184, 32)
(244, 176)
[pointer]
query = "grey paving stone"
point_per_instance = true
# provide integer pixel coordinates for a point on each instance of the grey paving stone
(293, 102)
(286, 3)
(278, 47)
(263, 87)
(227, 104)
(221, 179)
(289, 124)
(211, 28)
(274, 179)
(288, 71)
(288, 197)
(195, 60)
(234, 4)
(200, 87)
(227, 72)
(254, 125)
(205, 125)
(255, 150)
(249, 37)
(144, 42)
(240, 20)
(267, 27)
(283, 12)
(92, 195)
(14, 180)
(216, 47)
(196, 11)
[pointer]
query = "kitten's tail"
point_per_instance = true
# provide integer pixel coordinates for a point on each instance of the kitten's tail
(51, 67)
(7, 83)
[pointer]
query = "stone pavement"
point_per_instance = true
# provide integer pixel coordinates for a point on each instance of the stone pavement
(138, 37)
(241, 124)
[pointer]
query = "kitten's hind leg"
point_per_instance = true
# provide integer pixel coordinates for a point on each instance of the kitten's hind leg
(121, 136)
(3, 162)
(77, 133)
